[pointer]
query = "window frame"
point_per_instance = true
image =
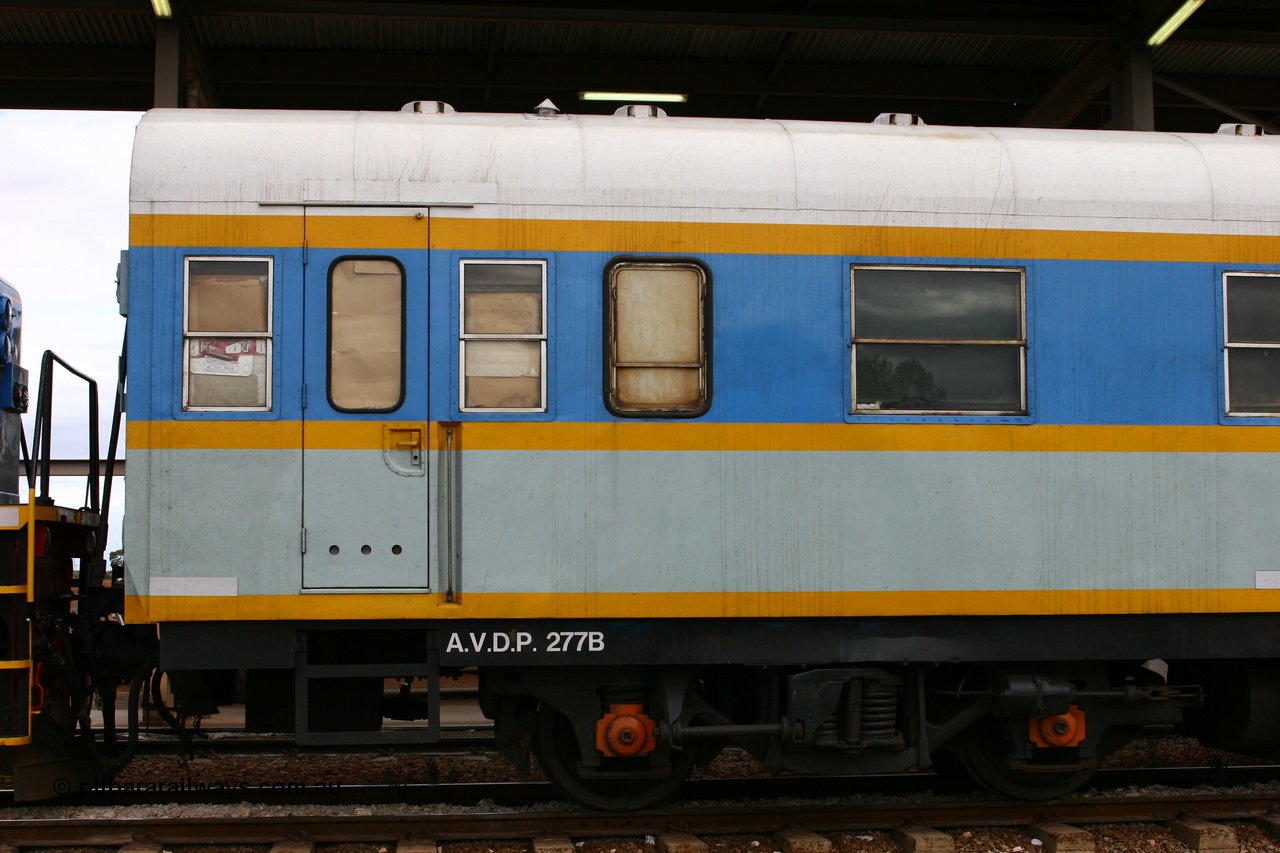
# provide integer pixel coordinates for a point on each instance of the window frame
(1229, 416)
(404, 292)
(464, 336)
(609, 359)
(188, 334)
(1022, 415)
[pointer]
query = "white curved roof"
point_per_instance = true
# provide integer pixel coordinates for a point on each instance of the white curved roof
(617, 167)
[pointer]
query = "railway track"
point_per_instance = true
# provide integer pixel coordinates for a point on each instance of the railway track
(160, 742)
(795, 828)
(524, 794)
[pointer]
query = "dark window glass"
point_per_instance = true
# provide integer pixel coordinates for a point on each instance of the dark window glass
(1253, 344)
(1253, 309)
(1255, 380)
(974, 315)
(938, 305)
(939, 376)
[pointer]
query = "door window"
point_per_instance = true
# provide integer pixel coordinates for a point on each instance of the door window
(366, 335)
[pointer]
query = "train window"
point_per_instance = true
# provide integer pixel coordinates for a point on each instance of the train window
(1252, 343)
(366, 335)
(656, 337)
(932, 339)
(503, 336)
(227, 334)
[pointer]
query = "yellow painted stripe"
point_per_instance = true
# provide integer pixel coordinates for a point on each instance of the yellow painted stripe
(215, 231)
(557, 235)
(630, 435)
(771, 239)
(219, 435)
(699, 604)
(384, 232)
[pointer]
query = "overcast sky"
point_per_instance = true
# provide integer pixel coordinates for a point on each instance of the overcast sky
(64, 217)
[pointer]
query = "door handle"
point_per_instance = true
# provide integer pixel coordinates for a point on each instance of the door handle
(402, 449)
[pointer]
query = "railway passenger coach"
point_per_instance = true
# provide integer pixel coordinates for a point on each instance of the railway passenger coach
(849, 444)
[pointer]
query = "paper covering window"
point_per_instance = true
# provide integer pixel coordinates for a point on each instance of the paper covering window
(1252, 303)
(657, 323)
(227, 334)
(503, 336)
(366, 335)
(938, 339)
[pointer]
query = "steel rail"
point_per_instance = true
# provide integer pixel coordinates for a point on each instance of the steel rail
(753, 818)
(529, 792)
(161, 745)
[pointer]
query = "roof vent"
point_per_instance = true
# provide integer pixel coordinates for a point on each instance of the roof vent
(547, 109)
(641, 111)
(1241, 129)
(431, 107)
(899, 119)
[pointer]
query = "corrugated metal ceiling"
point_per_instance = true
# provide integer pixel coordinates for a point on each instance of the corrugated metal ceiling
(798, 58)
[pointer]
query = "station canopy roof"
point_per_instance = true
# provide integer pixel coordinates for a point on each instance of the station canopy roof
(1046, 63)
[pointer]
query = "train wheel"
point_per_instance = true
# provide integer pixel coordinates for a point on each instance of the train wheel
(984, 748)
(558, 753)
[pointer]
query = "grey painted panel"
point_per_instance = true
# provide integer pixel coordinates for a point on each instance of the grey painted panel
(570, 521)
(753, 521)
(136, 533)
(219, 514)
(366, 523)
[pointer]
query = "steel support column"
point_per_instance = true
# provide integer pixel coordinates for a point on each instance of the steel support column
(171, 65)
(1132, 89)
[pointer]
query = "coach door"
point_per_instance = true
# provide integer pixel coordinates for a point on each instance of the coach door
(365, 423)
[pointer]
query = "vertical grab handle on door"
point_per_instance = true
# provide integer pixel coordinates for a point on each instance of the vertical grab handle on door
(448, 513)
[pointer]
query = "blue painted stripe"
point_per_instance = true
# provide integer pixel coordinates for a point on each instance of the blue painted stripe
(1109, 342)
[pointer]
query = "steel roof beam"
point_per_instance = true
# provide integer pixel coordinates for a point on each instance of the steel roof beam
(241, 66)
(1004, 21)
(1074, 91)
(1213, 103)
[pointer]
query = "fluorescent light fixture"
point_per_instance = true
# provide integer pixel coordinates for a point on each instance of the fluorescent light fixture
(162, 8)
(635, 97)
(1176, 20)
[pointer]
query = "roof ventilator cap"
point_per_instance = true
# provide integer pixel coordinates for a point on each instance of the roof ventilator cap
(429, 107)
(547, 108)
(899, 119)
(641, 111)
(1241, 129)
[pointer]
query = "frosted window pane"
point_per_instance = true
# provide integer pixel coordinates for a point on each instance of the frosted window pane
(502, 299)
(502, 374)
(365, 332)
(226, 373)
(228, 296)
(658, 387)
(658, 315)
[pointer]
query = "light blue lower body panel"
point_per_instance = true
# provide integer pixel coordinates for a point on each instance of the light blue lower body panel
(729, 521)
